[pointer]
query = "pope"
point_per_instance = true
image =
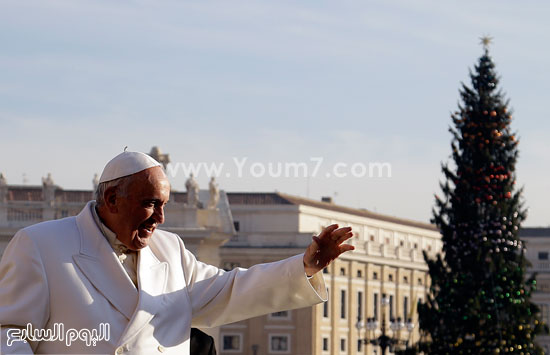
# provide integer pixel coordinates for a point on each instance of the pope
(111, 264)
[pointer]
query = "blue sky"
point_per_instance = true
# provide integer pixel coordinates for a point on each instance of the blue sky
(280, 81)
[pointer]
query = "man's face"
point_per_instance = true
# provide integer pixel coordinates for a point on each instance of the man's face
(142, 210)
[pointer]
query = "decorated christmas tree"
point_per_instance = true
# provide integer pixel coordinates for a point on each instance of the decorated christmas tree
(479, 299)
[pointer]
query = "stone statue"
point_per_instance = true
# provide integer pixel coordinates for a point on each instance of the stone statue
(47, 181)
(214, 194)
(156, 154)
(3, 188)
(48, 188)
(192, 191)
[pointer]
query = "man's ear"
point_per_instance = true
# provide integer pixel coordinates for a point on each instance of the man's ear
(110, 197)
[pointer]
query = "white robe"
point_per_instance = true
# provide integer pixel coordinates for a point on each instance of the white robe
(65, 272)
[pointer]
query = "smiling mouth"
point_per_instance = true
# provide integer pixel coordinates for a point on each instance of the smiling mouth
(148, 229)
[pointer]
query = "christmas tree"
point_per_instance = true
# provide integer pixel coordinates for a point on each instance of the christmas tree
(479, 299)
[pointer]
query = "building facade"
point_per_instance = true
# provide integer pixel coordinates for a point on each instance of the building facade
(537, 242)
(386, 264)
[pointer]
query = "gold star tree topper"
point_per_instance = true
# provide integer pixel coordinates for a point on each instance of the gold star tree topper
(486, 41)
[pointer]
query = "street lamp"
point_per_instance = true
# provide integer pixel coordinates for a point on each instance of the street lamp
(384, 341)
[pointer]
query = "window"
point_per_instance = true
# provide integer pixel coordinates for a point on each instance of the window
(405, 280)
(387, 240)
(401, 243)
(359, 273)
(343, 304)
(543, 255)
(420, 281)
(371, 237)
(375, 306)
(375, 275)
(342, 271)
(237, 226)
(405, 308)
(391, 307)
(232, 342)
(416, 245)
(285, 315)
(325, 271)
(360, 304)
(342, 344)
(325, 344)
(279, 343)
(390, 277)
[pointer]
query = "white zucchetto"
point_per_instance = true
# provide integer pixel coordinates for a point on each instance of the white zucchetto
(127, 163)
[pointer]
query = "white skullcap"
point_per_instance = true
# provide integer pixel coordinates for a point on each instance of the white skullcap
(127, 163)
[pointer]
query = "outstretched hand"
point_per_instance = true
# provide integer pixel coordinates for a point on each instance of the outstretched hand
(326, 247)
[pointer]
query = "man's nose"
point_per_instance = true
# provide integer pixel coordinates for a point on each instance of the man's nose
(159, 215)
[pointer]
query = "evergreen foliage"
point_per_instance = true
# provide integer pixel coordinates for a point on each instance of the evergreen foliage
(479, 299)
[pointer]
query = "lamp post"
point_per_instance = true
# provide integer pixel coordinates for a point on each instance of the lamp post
(384, 341)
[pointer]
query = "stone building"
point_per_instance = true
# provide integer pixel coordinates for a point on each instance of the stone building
(386, 264)
(538, 250)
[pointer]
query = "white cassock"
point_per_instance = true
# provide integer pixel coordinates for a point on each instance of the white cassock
(65, 272)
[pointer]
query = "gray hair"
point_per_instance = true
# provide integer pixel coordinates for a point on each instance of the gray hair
(121, 185)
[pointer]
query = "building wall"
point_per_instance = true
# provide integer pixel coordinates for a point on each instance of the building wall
(295, 325)
(538, 251)
(387, 260)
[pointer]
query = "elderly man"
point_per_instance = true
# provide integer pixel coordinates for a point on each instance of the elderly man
(109, 281)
